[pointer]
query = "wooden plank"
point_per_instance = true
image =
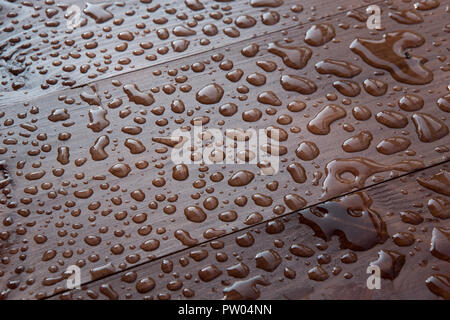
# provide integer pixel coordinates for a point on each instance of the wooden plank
(246, 257)
(59, 216)
(40, 54)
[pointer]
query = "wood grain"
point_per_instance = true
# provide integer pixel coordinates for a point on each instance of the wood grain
(53, 211)
(389, 199)
(47, 45)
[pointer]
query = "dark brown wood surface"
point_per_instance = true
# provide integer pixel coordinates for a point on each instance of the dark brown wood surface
(64, 210)
(58, 46)
(389, 200)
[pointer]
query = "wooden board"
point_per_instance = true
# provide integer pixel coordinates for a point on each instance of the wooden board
(187, 277)
(50, 56)
(91, 217)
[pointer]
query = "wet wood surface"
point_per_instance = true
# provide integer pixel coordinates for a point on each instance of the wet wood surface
(64, 203)
(153, 25)
(346, 278)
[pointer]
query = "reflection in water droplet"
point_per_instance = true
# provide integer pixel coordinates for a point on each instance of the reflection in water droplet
(388, 54)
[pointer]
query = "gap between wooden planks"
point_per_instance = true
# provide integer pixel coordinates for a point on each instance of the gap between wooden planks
(328, 151)
(389, 199)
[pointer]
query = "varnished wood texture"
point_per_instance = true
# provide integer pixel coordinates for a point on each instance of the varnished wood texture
(87, 170)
